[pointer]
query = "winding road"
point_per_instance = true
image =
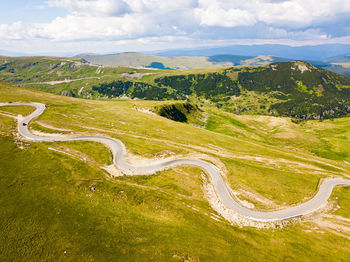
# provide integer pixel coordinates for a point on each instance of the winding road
(221, 188)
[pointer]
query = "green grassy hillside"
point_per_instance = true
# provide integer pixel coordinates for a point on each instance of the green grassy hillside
(295, 89)
(50, 212)
(65, 76)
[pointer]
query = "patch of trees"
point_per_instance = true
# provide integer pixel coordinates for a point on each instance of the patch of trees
(149, 92)
(134, 90)
(287, 78)
(310, 94)
(208, 86)
(298, 89)
(181, 83)
(216, 85)
(4, 66)
(178, 111)
(312, 107)
(68, 93)
(113, 89)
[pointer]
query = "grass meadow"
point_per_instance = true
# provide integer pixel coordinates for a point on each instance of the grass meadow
(49, 210)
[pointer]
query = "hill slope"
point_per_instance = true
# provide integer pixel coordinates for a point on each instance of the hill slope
(295, 89)
(66, 76)
(61, 205)
(341, 59)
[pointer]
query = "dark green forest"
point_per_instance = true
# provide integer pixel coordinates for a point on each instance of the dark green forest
(297, 88)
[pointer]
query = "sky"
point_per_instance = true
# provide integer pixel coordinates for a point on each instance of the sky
(105, 26)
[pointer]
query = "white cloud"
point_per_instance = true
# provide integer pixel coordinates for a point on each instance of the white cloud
(92, 7)
(120, 7)
(15, 31)
(118, 19)
(215, 15)
(290, 14)
(199, 20)
(75, 27)
(300, 13)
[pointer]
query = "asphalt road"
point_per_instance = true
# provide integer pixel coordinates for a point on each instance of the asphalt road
(220, 186)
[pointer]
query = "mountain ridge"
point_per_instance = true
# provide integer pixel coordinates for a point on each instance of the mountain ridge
(134, 59)
(304, 52)
(294, 88)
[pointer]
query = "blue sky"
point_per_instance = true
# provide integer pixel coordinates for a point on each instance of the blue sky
(28, 11)
(74, 26)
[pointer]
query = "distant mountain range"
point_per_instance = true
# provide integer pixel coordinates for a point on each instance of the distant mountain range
(339, 65)
(307, 52)
(10, 53)
(333, 57)
(142, 60)
(178, 62)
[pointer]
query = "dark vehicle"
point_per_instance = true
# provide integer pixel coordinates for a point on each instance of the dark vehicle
(24, 124)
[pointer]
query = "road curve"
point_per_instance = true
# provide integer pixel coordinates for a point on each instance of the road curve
(221, 188)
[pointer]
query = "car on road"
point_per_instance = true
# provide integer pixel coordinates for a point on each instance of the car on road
(24, 124)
